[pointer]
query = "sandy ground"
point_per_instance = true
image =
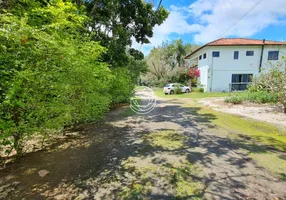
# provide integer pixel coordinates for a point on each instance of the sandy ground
(263, 112)
(113, 159)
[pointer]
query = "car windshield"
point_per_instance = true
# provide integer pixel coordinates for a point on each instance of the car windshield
(166, 85)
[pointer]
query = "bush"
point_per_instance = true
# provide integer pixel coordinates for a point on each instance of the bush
(255, 97)
(261, 97)
(177, 89)
(272, 79)
(122, 86)
(201, 90)
(49, 79)
(234, 100)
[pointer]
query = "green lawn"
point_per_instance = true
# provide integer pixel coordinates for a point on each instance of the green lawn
(159, 92)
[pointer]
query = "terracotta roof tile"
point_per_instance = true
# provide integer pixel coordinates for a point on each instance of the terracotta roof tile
(237, 42)
(242, 41)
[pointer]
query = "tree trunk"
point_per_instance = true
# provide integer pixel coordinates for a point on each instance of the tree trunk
(17, 143)
(17, 136)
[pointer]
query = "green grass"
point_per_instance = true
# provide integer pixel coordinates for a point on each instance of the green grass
(127, 111)
(168, 139)
(256, 97)
(143, 173)
(262, 140)
(262, 132)
(159, 92)
(140, 87)
(178, 179)
(273, 162)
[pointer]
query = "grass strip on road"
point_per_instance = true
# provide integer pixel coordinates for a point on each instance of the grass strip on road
(159, 92)
(265, 142)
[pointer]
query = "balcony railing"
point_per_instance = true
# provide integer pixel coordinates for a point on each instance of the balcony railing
(238, 86)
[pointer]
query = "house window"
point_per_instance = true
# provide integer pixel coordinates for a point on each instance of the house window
(240, 81)
(215, 53)
(235, 55)
(200, 57)
(273, 55)
(205, 55)
(249, 53)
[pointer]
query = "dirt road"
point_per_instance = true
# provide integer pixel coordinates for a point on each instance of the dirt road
(171, 152)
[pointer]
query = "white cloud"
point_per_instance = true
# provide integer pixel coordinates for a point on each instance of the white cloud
(175, 23)
(219, 15)
(212, 18)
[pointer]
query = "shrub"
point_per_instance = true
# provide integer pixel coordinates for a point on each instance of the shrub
(178, 89)
(272, 79)
(261, 97)
(122, 86)
(50, 79)
(234, 100)
(255, 97)
(201, 90)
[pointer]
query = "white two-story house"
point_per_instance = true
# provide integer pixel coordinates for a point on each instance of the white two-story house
(230, 63)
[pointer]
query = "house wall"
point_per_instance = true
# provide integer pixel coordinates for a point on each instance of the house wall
(203, 66)
(224, 66)
(204, 77)
(221, 68)
(203, 62)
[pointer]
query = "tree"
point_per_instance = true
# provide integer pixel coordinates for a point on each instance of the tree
(51, 76)
(166, 63)
(115, 22)
(62, 64)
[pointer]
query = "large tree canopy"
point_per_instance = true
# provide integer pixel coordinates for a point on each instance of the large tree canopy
(116, 22)
(166, 63)
(66, 62)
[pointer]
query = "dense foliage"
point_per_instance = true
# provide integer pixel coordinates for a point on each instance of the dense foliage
(253, 96)
(272, 80)
(166, 64)
(54, 70)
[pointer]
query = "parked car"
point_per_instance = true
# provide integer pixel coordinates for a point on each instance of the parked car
(170, 88)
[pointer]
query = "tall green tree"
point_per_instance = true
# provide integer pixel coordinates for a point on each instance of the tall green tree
(116, 22)
(166, 63)
(51, 76)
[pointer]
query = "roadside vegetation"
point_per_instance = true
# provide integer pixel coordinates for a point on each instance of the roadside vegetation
(168, 173)
(166, 64)
(255, 97)
(194, 94)
(264, 142)
(66, 63)
(267, 87)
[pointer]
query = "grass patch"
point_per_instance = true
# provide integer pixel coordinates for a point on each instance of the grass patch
(140, 87)
(256, 97)
(234, 100)
(185, 186)
(176, 179)
(127, 111)
(257, 138)
(159, 92)
(262, 132)
(168, 139)
(273, 162)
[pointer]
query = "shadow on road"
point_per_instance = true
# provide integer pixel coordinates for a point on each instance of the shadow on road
(129, 157)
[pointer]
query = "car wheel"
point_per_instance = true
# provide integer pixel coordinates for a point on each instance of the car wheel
(187, 91)
(171, 92)
(166, 93)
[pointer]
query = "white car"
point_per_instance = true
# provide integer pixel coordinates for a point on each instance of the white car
(170, 88)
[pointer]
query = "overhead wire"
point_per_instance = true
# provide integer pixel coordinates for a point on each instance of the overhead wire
(251, 9)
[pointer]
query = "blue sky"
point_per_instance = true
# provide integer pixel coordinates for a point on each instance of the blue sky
(202, 21)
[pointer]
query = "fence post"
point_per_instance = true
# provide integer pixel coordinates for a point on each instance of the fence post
(229, 89)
